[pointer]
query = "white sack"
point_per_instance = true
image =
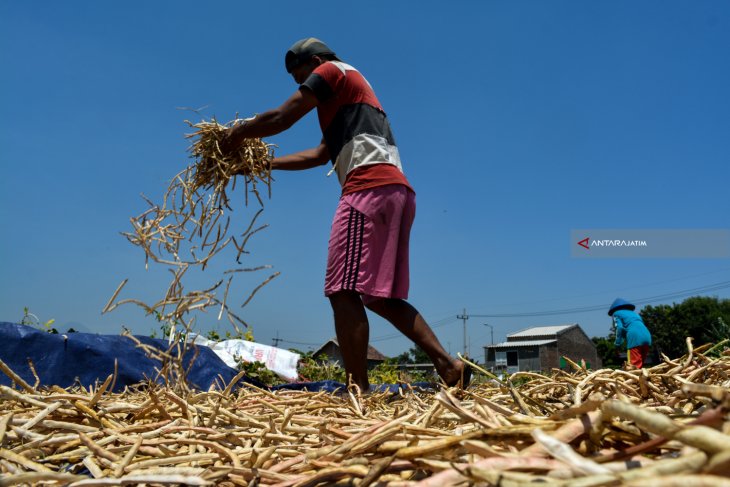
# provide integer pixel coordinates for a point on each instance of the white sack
(282, 362)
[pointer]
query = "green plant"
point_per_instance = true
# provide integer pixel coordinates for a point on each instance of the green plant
(607, 351)
(719, 330)
(385, 373)
(414, 355)
(165, 326)
(410, 376)
(695, 317)
(388, 372)
(258, 371)
(30, 319)
(312, 370)
(215, 336)
(520, 380)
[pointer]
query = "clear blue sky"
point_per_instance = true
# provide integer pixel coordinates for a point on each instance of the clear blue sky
(516, 122)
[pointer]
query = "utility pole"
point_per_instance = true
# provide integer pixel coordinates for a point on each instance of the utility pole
(277, 339)
(464, 317)
(492, 330)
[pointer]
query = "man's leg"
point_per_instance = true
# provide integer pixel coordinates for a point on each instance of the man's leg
(635, 358)
(637, 355)
(352, 328)
(409, 321)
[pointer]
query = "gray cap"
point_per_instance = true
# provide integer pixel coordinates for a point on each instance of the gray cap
(303, 50)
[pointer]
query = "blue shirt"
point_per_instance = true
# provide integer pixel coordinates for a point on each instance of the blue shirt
(630, 328)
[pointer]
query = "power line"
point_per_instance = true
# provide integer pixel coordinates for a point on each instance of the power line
(297, 343)
(621, 291)
(436, 324)
(277, 339)
(585, 309)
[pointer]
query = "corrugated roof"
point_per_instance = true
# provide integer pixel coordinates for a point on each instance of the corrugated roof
(541, 331)
(522, 343)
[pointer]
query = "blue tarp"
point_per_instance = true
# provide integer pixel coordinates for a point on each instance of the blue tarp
(63, 359)
(86, 358)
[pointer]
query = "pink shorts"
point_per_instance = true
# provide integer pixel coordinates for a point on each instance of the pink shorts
(368, 248)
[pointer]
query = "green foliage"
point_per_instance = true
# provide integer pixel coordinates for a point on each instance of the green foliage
(519, 381)
(415, 355)
(213, 335)
(404, 358)
(257, 370)
(410, 376)
(607, 351)
(385, 373)
(700, 317)
(32, 320)
(719, 330)
(165, 326)
(312, 370)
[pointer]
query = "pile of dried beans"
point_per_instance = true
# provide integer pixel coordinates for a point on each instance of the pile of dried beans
(666, 425)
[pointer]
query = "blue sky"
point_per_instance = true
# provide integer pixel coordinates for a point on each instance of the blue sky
(516, 122)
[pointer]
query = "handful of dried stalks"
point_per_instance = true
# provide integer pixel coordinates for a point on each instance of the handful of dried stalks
(192, 220)
(214, 168)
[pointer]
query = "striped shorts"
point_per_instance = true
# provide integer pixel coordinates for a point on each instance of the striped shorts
(368, 247)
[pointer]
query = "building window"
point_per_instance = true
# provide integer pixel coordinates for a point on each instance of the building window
(500, 359)
(512, 358)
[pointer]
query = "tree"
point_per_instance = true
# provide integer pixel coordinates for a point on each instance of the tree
(607, 351)
(700, 317)
(720, 330)
(413, 356)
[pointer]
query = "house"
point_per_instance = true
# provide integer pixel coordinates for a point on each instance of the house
(331, 349)
(541, 348)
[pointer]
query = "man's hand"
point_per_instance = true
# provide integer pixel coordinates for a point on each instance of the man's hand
(229, 142)
(233, 137)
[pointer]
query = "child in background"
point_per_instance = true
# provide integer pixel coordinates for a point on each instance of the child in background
(630, 328)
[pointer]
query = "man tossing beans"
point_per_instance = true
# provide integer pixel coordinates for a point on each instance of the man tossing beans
(367, 263)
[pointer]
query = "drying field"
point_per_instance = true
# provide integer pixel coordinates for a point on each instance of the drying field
(667, 425)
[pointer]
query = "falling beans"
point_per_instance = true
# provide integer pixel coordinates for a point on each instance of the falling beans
(185, 231)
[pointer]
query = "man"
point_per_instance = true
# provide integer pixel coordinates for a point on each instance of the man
(630, 329)
(367, 263)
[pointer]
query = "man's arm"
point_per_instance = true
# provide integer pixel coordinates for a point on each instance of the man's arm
(620, 331)
(273, 121)
(305, 159)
